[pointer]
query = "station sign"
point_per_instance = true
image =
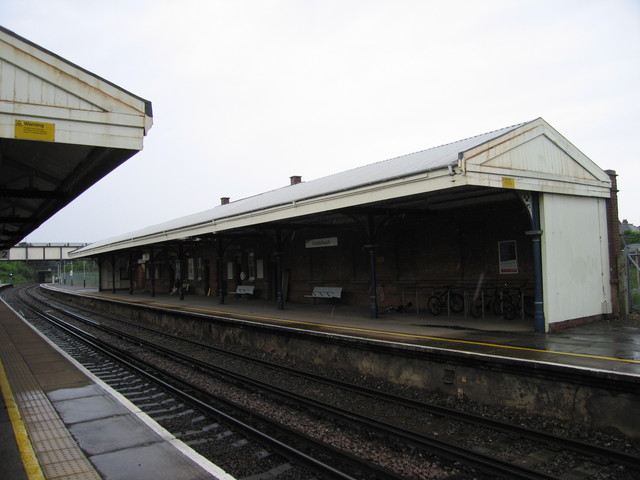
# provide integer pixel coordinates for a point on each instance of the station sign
(321, 242)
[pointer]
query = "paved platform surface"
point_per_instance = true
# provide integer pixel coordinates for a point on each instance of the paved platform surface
(57, 421)
(612, 346)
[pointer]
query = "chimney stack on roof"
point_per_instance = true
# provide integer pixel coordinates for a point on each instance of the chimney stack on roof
(224, 200)
(296, 179)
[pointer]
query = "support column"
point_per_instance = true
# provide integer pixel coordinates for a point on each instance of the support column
(222, 287)
(536, 234)
(99, 262)
(152, 273)
(279, 294)
(132, 273)
(373, 283)
(113, 273)
(180, 261)
(278, 255)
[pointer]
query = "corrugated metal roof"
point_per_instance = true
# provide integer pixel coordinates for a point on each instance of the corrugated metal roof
(398, 167)
(404, 166)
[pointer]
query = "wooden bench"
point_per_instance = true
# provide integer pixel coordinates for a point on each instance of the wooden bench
(325, 292)
(244, 290)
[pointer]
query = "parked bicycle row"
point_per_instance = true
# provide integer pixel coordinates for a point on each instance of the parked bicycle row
(506, 300)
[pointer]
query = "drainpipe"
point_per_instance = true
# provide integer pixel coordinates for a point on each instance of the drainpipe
(535, 234)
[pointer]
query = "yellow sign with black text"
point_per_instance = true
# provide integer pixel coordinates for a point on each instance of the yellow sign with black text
(30, 130)
(508, 182)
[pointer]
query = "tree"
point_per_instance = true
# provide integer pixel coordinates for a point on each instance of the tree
(630, 237)
(16, 273)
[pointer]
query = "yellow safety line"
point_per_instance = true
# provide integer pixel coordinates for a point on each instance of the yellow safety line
(29, 459)
(408, 335)
(441, 339)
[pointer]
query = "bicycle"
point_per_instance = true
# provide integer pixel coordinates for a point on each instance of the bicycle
(397, 308)
(514, 301)
(487, 301)
(444, 297)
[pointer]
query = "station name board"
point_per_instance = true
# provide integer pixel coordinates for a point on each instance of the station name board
(321, 242)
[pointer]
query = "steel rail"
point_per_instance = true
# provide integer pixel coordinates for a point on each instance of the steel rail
(437, 447)
(199, 398)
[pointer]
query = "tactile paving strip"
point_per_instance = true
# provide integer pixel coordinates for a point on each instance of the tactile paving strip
(58, 454)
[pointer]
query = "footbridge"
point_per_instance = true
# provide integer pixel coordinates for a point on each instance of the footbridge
(40, 251)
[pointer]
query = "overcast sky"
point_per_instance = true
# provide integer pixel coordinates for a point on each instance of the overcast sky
(246, 94)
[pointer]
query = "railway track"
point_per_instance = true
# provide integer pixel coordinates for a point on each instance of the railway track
(437, 440)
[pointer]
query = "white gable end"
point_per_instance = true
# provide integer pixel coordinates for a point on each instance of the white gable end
(540, 155)
(29, 89)
(535, 157)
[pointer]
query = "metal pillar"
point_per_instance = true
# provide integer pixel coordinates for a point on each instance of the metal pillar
(152, 266)
(373, 296)
(113, 273)
(535, 234)
(181, 283)
(132, 273)
(278, 255)
(279, 294)
(99, 261)
(222, 288)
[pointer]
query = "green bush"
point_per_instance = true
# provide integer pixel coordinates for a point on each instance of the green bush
(630, 237)
(16, 273)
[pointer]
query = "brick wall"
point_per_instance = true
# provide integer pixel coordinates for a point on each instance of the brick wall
(615, 247)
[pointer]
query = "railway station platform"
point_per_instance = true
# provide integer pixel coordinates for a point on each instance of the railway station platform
(57, 421)
(607, 345)
(53, 411)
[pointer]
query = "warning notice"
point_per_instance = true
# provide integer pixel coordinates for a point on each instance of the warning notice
(30, 130)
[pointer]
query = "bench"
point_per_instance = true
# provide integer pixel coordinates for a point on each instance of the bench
(244, 290)
(325, 292)
(185, 289)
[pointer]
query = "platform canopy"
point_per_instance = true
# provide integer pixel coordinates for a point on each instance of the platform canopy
(62, 129)
(531, 156)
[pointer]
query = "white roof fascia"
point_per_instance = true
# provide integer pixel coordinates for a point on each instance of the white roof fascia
(163, 233)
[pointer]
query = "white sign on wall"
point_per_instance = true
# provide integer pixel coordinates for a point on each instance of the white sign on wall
(508, 257)
(322, 242)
